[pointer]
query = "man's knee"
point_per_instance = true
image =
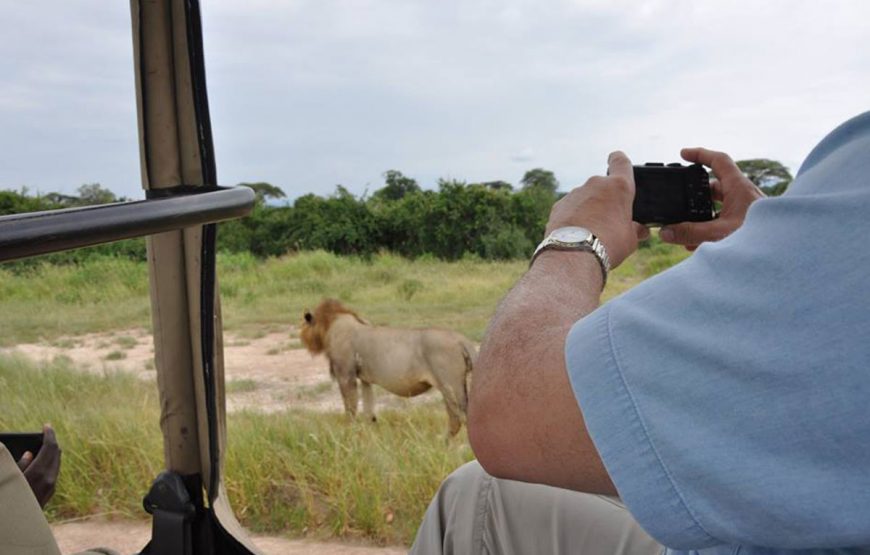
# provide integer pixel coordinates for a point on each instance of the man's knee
(450, 519)
(461, 489)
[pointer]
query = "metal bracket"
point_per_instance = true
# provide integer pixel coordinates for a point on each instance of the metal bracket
(173, 512)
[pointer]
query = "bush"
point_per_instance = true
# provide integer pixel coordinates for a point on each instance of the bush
(506, 243)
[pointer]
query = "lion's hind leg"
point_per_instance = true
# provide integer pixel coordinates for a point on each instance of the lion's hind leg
(454, 402)
(454, 421)
(368, 401)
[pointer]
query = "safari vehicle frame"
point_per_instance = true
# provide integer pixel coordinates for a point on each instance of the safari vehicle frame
(191, 515)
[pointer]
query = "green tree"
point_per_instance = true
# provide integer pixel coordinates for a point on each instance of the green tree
(396, 186)
(61, 200)
(540, 179)
(94, 193)
(769, 175)
(497, 185)
(17, 202)
(341, 224)
(264, 191)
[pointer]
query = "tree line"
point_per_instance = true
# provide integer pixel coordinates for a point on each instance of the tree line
(491, 220)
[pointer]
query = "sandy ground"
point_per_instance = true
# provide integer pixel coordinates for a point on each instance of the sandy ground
(266, 371)
(129, 537)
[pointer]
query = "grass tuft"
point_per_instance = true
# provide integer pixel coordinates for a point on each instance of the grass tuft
(126, 342)
(116, 355)
(241, 386)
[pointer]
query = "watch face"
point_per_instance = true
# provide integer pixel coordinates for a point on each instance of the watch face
(572, 235)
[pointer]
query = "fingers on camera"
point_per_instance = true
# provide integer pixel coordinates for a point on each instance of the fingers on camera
(716, 190)
(618, 163)
(722, 164)
(686, 234)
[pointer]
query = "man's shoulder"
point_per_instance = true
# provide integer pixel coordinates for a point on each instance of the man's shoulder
(842, 154)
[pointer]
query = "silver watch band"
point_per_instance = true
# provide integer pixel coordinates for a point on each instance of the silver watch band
(593, 245)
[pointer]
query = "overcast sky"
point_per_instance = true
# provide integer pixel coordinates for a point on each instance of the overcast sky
(310, 94)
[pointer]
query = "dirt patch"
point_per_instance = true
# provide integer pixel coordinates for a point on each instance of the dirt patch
(131, 536)
(265, 371)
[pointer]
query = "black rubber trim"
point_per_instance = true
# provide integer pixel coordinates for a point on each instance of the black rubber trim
(143, 94)
(200, 91)
(208, 277)
(207, 336)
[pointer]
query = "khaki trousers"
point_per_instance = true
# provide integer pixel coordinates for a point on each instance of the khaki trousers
(474, 513)
(23, 528)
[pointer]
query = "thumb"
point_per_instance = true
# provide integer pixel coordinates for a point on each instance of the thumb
(25, 461)
(690, 233)
(619, 164)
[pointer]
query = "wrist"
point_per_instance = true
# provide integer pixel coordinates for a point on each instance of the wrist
(570, 268)
(576, 239)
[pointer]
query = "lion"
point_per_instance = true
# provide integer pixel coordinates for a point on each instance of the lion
(406, 362)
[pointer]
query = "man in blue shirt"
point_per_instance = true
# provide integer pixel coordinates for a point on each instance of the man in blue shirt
(723, 401)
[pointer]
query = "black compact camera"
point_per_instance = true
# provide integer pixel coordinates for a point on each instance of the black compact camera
(671, 194)
(18, 443)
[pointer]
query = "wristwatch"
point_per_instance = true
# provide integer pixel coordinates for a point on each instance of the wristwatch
(576, 239)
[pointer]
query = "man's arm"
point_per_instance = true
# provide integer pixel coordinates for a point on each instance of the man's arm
(523, 418)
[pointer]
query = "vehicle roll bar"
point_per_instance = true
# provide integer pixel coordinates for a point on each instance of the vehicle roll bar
(35, 233)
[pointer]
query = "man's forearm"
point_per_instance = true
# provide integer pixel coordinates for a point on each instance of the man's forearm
(521, 395)
(559, 289)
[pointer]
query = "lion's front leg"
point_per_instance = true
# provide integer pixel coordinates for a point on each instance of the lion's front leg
(368, 399)
(349, 394)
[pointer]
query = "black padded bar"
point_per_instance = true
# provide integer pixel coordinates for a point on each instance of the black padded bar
(34, 233)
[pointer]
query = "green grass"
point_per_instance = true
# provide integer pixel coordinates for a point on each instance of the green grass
(116, 355)
(126, 342)
(387, 289)
(339, 479)
(65, 343)
(297, 473)
(307, 392)
(241, 386)
(108, 294)
(107, 426)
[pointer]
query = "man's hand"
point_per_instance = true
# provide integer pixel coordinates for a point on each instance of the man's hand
(41, 471)
(603, 206)
(733, 189)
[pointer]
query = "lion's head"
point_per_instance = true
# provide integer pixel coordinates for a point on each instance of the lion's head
(316, 325)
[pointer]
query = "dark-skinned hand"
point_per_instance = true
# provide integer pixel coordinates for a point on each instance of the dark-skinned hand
(42, 470)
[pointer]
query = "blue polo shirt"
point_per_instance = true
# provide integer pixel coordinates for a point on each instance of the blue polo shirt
(729, 396)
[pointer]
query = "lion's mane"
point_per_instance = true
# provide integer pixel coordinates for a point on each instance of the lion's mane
(315, 326)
